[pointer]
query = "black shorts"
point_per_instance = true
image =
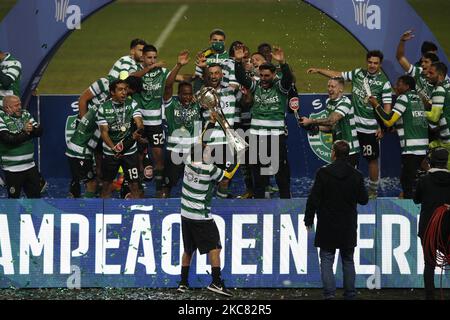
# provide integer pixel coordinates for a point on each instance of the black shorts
(369, 145)
(129, 163)
(82, 170)
(200, 234)
(28, 180)
(155, 136)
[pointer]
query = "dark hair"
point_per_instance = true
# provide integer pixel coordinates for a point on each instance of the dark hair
(215, 65)
(428, 46)
(233, 44)
(113, 85)
(340, 80)
(134, 83)
(441, 68)
(148, 48)
(258, 53)
(341, 149)
(219, 32)
(268, 66)
(429, 55)
(136, 42)
(375, 53)
(264, 47)
(438, 157)
(409, 81)
(184, 84)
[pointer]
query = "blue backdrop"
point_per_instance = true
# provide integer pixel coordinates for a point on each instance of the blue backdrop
(116, 243)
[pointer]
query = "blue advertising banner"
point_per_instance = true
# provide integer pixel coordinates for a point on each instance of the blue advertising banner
(34, 29)
(305, 154)
(117, 243)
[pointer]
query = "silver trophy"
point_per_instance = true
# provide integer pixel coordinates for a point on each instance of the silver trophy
(209, 99)
(366, 87)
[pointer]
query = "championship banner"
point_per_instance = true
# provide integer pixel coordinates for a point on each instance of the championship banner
(119, 243)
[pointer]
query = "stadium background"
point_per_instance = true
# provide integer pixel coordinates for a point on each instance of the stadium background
(308, 37)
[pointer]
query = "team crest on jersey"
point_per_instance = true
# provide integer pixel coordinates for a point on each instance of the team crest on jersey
(71, 125)
(321, 143)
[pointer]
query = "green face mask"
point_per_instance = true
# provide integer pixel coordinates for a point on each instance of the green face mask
(218, 46)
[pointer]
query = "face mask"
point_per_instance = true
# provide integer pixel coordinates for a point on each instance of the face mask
(218, 46)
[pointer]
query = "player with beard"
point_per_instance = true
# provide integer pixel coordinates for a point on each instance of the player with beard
(128, 62)
(215, 137)
(439, 114)
(367, 123)
(268, 120)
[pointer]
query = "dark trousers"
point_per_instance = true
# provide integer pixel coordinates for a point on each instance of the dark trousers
(173, 172)
(428, 276)
(408, 176)
(28, 180)
(282, 176)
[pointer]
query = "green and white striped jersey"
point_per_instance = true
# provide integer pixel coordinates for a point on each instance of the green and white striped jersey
(345, 128)
(423, 87)
(227, 65)
(198, 185)
(227, 96)
(11, 67)
(150, 98)
(380, 88)
(184, 125)
(441, 98)
(86, 136)
(412, 126)
(119, 118)
(123, 64)
(100, 90)
(20, 157)
(268, 110)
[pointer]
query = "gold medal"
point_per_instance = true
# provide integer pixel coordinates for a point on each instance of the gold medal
(123, 128)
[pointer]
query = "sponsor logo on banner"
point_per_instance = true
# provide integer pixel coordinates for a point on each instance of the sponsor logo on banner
(69, 14)
(367, 15)
(71, 125)
(321, 143)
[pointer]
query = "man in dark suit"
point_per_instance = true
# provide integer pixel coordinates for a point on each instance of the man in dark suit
(433, 191)
(337, 190)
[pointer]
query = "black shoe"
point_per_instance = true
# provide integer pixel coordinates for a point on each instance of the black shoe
(183, 287)
(219, 288)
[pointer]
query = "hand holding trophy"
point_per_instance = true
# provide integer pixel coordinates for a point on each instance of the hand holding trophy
(208, 98)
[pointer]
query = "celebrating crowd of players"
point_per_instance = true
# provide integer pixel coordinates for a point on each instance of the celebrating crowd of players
(130, 119)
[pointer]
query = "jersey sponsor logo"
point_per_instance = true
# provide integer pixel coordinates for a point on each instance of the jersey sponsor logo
(151, 87)
(366, 15)
(70, 14)
(270, 100)
(321, 143)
